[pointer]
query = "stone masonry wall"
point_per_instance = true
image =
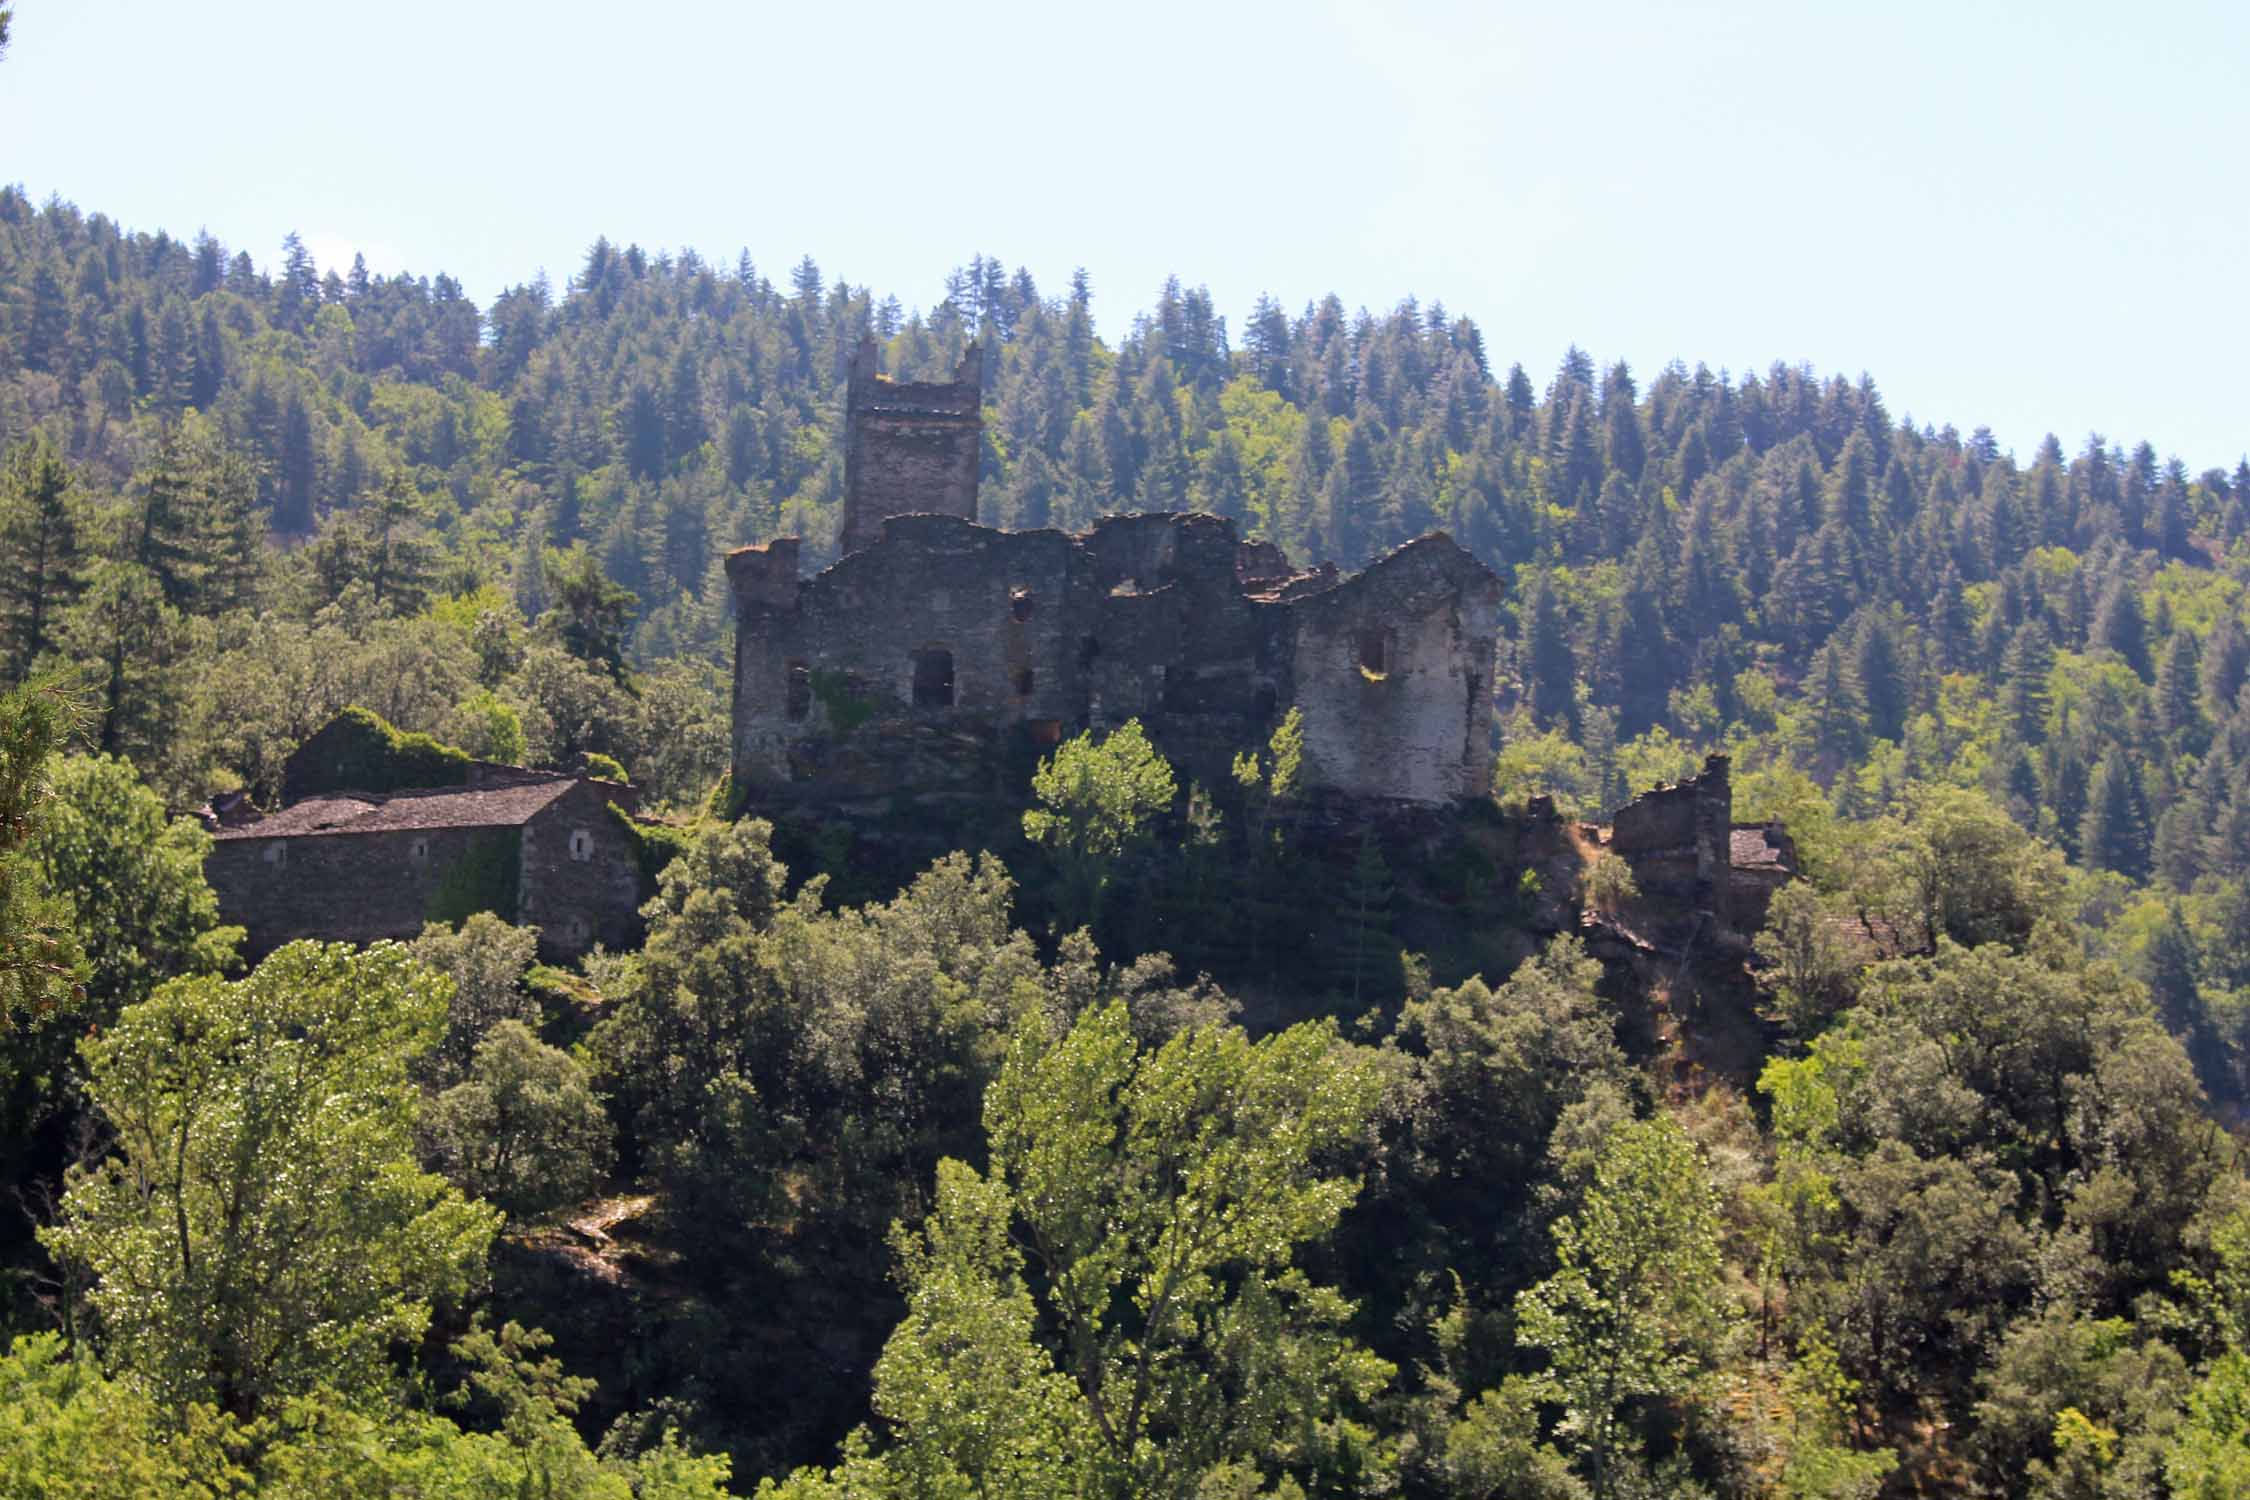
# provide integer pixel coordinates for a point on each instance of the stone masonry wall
(354, 888)
(578, 878)
(1393, 674)
(841, 664)
(1033, 636)
(1677, 839)
(910, 448)
(581, 881)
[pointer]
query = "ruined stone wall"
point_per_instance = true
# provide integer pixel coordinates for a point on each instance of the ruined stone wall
(1147, 617)
(580, 882)
(354, 888)
(820, 684)
(1678, 840)
(910, 448)
(1392, 670)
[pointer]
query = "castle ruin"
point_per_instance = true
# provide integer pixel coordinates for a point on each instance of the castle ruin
(935, 645)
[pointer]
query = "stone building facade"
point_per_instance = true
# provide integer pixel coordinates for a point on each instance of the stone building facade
(358, 867)
(936, 648)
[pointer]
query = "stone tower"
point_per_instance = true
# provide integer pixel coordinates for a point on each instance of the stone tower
(910, 448)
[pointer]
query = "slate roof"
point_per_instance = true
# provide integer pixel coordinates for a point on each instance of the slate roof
(397, 812)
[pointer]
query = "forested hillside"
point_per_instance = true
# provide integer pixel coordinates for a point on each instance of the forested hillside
(1967, 1213)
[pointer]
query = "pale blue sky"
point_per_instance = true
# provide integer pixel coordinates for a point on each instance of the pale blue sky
(2031, 216)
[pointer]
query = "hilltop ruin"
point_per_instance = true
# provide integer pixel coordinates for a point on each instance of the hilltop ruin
(936, 645)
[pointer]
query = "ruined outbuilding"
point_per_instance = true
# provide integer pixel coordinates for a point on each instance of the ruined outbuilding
(544, 849)
(1691, 859)
(935, 649)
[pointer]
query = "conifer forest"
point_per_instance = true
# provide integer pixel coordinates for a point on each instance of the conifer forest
(1149, 1136)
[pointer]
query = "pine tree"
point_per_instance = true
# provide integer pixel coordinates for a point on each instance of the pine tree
(298, 291)
(46, 331)
(2114, 834)
(293, 501)
(2179, 847)
(2178, 680)
(1839, 718)
(1882, 678)
(399, 557)
(2120, 625)
(2172, 966)
(196, 530)
(42, 559)
(1364, 942)
(531, 564)
(1550, 671)
(2023, 681)
(2225, 667)
(1850, 489)
(2172, 513)
(131, 638)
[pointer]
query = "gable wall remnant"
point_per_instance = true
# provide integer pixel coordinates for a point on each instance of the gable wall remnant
(1393, 673)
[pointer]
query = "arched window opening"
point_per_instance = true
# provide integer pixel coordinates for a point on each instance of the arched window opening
(1021, 602)
(1372, 658)
(581, 844)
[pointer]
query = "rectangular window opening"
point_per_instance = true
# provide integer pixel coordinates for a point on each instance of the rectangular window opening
(933, 678)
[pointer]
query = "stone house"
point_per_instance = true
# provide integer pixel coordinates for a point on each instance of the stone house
(936, 649)
(542, 850)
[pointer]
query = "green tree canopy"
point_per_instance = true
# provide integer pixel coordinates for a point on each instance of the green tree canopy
(1163, 1334)
(262, 1228)
(1097, 801)
(1635, 1307)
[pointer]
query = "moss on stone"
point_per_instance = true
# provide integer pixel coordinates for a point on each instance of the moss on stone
(487, 878)
(847, 708)
(360, 751)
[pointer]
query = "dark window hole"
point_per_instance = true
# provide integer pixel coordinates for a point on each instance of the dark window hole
(933, 678)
